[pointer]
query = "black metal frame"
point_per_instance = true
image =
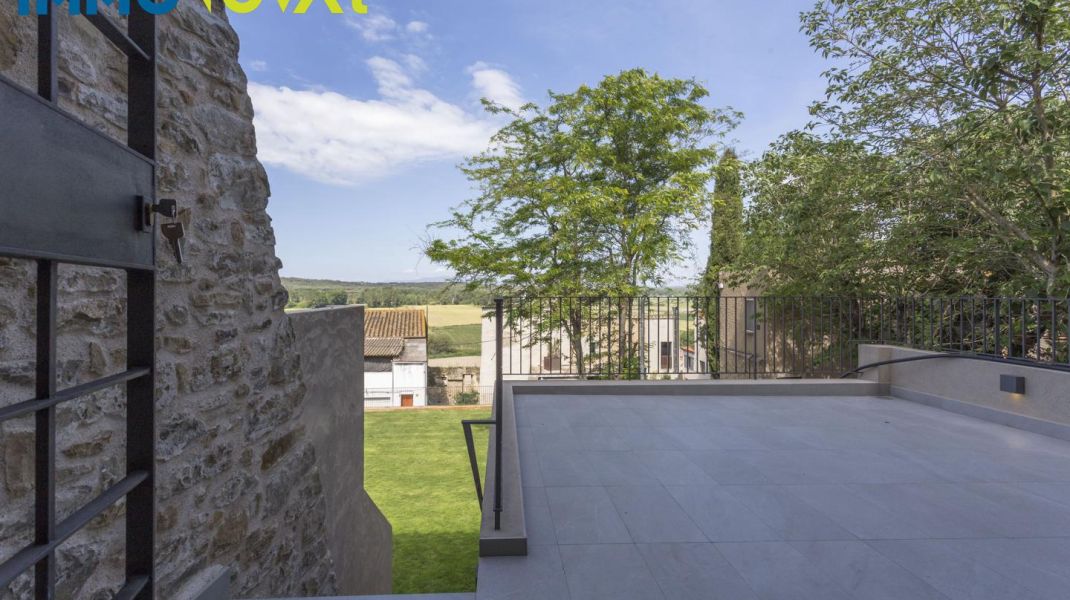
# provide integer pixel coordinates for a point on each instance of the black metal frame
(769, 336)
(90, 215)
(797, 336)
(496, 422)
(470, 443)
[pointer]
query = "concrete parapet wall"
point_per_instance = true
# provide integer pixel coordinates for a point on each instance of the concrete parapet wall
(972, 387)
(331, 346)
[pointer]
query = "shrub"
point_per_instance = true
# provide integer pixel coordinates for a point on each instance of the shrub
(468, 398)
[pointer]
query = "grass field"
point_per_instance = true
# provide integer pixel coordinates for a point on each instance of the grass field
(451, 315)
(455, 340)
(416, 469)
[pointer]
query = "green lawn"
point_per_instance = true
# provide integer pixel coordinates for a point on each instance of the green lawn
(416, 469)
(455, 340)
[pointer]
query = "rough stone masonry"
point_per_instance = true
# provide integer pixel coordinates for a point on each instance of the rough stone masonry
(237, 479)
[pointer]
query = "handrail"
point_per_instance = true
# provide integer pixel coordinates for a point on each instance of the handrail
(985, 357)
(499, 304)
(495, 420)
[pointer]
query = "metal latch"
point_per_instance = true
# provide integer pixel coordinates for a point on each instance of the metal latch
(173, 232)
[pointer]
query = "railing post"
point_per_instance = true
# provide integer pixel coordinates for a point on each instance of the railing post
(498, 317)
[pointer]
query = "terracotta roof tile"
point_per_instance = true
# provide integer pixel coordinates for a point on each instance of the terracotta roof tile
(383, 347)
(395, 323)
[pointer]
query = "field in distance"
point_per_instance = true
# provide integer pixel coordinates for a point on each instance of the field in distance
(453, 330)
(451, 315)
(316, 293)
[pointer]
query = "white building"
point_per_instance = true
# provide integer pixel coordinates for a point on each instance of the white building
(395, 357)
(671, 349)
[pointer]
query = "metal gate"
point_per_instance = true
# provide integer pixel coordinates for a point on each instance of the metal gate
(70, 194)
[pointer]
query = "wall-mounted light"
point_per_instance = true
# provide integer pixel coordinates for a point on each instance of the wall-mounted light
(1012, 384)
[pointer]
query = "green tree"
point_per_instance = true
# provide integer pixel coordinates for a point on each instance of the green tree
(726, 231)
(592, 195)
(821, 218)
(969, 99)
(726, 240)
(328, 298)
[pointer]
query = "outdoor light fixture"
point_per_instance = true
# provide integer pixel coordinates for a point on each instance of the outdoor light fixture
(1012, 384)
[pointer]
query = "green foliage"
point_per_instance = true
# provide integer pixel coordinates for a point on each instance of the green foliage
(416, 469)
(318, 298)
(820, 221)
(726, 232)
(590, 195)
(943, 162)
(726, 227)
(593, 195)
(468, 398)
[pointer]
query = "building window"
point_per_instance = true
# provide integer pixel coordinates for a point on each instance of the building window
(750, 315)
(666, 355)
(690, 362)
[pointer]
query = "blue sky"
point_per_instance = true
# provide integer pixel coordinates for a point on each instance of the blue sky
(362, 119)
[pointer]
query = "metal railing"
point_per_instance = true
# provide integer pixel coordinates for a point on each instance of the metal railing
(765, 336)
(495, 421)
(751, 337)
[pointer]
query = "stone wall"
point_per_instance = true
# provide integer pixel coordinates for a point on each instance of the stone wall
(237, 482)
(331, 346)
(451, 385)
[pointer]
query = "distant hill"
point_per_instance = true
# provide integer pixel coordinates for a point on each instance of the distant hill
(310, 293)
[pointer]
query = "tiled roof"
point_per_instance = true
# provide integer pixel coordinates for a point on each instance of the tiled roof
(395, 323)
(378, 365)
(383, 347)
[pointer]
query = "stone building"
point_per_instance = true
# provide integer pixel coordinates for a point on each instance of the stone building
(242, 486)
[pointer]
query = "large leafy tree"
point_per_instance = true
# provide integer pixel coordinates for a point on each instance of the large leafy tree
(969, 102)
(815, 221)
(595, 194)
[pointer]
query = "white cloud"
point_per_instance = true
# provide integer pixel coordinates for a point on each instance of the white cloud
(332, 138)
(375, 27)
(258, 65)
(380, 28)
(414, 63)
(496, 85)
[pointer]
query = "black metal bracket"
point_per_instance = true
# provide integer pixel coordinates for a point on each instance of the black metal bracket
(471, 444)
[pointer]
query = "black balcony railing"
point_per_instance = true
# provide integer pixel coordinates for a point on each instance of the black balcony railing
(752, 337)
(765, 336)
(495, 421)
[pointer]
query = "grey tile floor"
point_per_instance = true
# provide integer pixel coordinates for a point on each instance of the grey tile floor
(782, 498)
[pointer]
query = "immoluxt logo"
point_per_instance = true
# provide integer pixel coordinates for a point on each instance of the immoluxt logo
(162, 7)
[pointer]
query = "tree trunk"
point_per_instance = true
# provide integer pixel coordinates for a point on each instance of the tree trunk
(575, 336)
